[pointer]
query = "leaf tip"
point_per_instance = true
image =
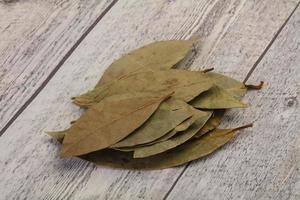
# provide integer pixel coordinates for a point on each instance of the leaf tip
(208, 70)
(64, 153)
(244, 127)
(81, 102)
(195, 39)
(244, 105)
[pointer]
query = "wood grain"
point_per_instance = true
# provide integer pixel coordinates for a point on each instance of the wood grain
(30, 167)
(35, 36)
(262, 162)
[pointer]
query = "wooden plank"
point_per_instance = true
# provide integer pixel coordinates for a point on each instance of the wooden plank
(262, 162)
(35, 36)
(30, 166)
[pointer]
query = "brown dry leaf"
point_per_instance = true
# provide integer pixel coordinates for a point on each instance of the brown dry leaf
(186, 85)
(169, 114)
(217, 98)
(109, 121)
(160, 55)
(184, 153)
(201, 119)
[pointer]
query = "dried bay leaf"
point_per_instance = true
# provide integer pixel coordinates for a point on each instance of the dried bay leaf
(169, 114)
(185, 124)
(217, 98)
(186, 85)
(184, 153)
(233, 86)
(201, 119)
(166, 137)
(163, 138)
(144, 114)
(109, 121)
(160, 55)
(59, 135)
(180, 128)
(125, 149)
(213, 122)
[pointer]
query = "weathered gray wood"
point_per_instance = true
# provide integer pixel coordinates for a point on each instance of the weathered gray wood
(262, 162)
(30, 166)
(35, 36)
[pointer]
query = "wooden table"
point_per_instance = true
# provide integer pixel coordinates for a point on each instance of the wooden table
(52, 50)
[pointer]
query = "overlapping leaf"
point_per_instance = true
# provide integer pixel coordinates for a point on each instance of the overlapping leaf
(143, 114)
(160, 55)
(109, 121)
(187, 152)
(186, 85)
(212, 123)
(180, 128)
(170, 113)
(201, 118)
(217, 98)
(188, 128)
(235, 87)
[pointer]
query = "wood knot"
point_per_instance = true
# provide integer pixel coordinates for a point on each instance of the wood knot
(291, 101)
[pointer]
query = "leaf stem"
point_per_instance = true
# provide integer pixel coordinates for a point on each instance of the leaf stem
(243, 127)
(255, 87)
(208, 70)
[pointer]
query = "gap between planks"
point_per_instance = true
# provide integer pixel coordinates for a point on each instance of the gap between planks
(245, 80)
(270, 44)
(57, 67)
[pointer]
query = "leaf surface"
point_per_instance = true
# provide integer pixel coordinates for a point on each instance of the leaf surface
(160, 55)
(213, 122)
(109, 121)
(217, 98)
(201, 119)
(169, 114)
(184, 153)
(231, 85)
(186, 85)
(179, 128)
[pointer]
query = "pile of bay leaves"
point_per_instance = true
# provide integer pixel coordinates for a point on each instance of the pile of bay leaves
(145, 114)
